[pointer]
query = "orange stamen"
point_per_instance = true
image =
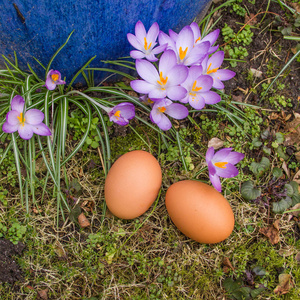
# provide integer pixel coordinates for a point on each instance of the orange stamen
(221, 164)
(117, 113)
(211, 71)
(146, 46)
(162, 81)
(182, 53)
(54, 77)
(195, 88)
(162, 109)
(20, 118)
(198, 39)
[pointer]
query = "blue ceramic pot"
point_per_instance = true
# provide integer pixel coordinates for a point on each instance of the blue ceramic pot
(38, 28)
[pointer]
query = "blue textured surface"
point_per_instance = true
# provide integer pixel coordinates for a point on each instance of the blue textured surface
(41, 27)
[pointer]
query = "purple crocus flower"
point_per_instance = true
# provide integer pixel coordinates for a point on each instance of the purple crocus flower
(162, 83)
(221, 164)
(166, 106)
(211, 37)
(53, 79)
(27, 124)
(198, 89)
(121, 113)
(183, 45)
(211, 67)
(145, 42)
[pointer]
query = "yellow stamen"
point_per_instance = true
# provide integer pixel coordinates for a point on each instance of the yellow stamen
(146, 46)
(221, 164)
(162, 109)
(54, 77)
(150, 101)
(211, 71)
(21, 119)
(117, 114)
(195, 88)
(198, 39)
(162, 81)
(182, 53)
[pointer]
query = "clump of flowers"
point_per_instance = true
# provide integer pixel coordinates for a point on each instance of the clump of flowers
(25, 122)
(53, 79)
(187, 70)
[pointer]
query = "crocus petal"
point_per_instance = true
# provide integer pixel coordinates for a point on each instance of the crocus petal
(228, 172)
(155, 115)
(140, 30)
(41, 129)
(127, 110)
(211, 97)
(176, 92)
(164, 123)
(196, 31)
(222, 154)
(151, 57)
(25, 131)
(173, 35)
(141, 86)
(216, 60)
(212, 37)
(197, 54)
(177, 111)
(60, 81)
(195, 72)
(235, 157)
(185, 41)
(212, 49)
(12, 117)
(167, 61)
(34, 116)
(17, 103)
(205, 82)
(9, 128)
(218, 84)
(134, 41)
(163, 39)
(177, 75)
(197, 101)
(136, 54)
(211, 168)
(215, 180)
(157, 93)
(153, 33)
(147, 71)
(49, 84)
(209, 154)
(224, 74)
(159, 49)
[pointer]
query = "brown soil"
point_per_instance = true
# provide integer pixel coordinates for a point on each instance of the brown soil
(9, 269)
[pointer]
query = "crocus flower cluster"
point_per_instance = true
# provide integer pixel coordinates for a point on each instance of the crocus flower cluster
(25, 122)
(53, 79)
(187, 70)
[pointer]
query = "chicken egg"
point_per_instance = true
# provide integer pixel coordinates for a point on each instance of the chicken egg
(132, 184)
(199, 211)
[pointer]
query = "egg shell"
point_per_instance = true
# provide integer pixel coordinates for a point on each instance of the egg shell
(199, 211)
(132, 184)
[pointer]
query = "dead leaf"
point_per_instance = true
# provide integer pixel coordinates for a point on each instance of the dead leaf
(293, 129)
(87, 205)
(297, 257)
(296, 6)
(285, 284)
(271, 232)
(273, 116)
(251, 20)
(226, 262)
(297, 208)
(60, 251)
(83, 221)
(297, 155)
(256, 73)
(216, 143)
(286, 169)
(43, 294)
(286, 252)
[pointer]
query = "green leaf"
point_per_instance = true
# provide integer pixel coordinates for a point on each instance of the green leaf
(74, 213)
(265, 134)
(259, 271)
(282, 205)
(289, 189)
(267, 150)
(94, 144)
(254, 293)
(242, 294)
(261, 167)
(249, 192)
(281, 153)
(277, 172)
(256, 142)
(279, 137)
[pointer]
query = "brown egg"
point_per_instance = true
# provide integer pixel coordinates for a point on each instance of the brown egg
(199, 211)
(132, 184)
